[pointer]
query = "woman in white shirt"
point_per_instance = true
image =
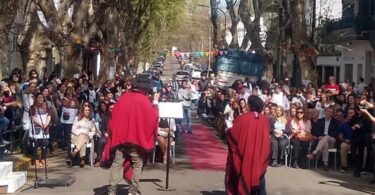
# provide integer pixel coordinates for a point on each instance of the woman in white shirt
(82, 132)
(40, 123)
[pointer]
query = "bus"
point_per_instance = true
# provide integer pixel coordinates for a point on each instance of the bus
(237, 65)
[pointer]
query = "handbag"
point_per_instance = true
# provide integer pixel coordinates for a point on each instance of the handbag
(303, 136)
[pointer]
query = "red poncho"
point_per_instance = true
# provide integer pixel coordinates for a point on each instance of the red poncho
(249, 149)
(133, 124)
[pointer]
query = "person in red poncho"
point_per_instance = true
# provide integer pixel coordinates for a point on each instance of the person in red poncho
(132, 133)
(249, 149)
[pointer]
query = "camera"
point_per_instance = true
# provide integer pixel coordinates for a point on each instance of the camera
(361, 106)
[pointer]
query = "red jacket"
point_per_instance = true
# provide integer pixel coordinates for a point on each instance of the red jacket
(248, 157)
(133, 125)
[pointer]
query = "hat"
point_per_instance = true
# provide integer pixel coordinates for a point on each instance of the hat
(143, 83)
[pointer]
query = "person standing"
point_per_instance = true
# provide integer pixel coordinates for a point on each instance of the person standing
(249, 149)
(131, 135)
(28, 101)
(40, 122)
(184, 95)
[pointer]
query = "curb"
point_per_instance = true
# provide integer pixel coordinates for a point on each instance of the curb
(21, 164)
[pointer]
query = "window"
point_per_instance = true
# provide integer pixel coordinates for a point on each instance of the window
(359, 73)
(349, 72)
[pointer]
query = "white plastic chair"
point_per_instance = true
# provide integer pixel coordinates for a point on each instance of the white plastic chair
(331, 150)
(172, 151)
(89, 145)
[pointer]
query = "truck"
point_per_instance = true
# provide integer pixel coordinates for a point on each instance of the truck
(237, 65)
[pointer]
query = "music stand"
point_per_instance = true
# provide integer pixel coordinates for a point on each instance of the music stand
(169, 110)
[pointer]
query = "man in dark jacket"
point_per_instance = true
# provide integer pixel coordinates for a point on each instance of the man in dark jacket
(361, 127)
(326, 131)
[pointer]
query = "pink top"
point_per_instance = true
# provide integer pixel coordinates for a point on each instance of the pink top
(301, 125)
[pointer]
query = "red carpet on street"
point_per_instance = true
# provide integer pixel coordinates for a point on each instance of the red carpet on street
(205, 151)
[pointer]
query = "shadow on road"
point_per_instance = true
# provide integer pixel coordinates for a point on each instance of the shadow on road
(351, 186)
(215, 192)
(103, 190)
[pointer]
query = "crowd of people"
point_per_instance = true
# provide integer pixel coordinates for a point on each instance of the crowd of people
(49, 113)
(305, 122)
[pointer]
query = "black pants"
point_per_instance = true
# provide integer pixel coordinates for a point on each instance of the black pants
(100, 144)
(278, 147)
(300, 150)
(357, 151)
(43, 144)
(67, 129)
(373, 155)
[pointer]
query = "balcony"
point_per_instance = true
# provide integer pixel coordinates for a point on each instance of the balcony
(359, 23)
(341, 23)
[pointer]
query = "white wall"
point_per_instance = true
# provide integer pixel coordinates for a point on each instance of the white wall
(353, 52)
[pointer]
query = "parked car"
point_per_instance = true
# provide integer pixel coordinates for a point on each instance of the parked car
(159, 67)
(154, 70)
(182, 75)
(144, 75)
(196, 73)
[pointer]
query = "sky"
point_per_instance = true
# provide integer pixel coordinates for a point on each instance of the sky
(334, 5)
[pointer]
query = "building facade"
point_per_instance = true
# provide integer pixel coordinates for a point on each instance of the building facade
(351, 55)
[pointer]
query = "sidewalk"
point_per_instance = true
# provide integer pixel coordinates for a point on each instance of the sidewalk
(20, 161)
(188, 181)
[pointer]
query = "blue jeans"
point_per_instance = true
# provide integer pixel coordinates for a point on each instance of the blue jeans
(186, 122)
(4, 122)
(261, 190)
(262, 186)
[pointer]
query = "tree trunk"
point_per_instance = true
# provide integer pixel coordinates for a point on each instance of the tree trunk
(252, 27)
(33, 41)
(8, 11)
(214, 20)
(233, 28)
(268, 60)
(303, 50)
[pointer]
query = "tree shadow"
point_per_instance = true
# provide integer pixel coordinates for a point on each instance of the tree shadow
(103, 190)
(351, 186)
(215, 192)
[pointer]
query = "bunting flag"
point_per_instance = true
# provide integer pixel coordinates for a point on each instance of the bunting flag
(198, 54)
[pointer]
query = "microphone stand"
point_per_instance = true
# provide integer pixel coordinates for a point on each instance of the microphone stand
(36, 183)
(43, 146)
(166, 188)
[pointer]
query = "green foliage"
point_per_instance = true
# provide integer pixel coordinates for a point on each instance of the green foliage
(164, 19)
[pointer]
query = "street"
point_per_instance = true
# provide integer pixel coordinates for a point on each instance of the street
(187, 180)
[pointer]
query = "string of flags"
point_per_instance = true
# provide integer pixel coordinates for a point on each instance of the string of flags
(198, 54)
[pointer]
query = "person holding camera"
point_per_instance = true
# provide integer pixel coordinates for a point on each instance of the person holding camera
(364, 108)
(361, 127)
(40, 115)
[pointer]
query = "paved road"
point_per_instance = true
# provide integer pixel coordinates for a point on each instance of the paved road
(187, 181)
(171, 66)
